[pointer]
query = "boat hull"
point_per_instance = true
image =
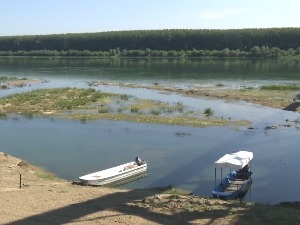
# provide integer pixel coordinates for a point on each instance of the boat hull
(115, 176)
(234, 186)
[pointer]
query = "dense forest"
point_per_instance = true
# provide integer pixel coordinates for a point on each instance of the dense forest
(271, 42)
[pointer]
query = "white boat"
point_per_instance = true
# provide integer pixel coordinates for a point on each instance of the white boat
(237, 183)
(117, 175)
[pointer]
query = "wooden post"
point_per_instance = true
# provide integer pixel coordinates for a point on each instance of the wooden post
(20, 181)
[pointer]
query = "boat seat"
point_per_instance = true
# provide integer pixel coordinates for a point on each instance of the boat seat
(130, 167)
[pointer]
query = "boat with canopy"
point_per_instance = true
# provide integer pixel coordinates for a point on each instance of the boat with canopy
(237, 183)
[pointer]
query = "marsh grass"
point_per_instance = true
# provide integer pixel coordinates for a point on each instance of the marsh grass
(28, 115)
(3, 79)
(291, 87)
(172, 108)
(124, 97)
(134, 109)
(104, 109)
(155, 112)
(54, 99)
(89, 104)
(3, 115)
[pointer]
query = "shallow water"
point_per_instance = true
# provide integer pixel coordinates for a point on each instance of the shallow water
(71, 148)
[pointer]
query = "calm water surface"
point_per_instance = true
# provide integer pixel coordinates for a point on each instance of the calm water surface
(71, 148)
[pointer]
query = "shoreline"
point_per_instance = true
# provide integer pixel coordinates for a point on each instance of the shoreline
(46, 199)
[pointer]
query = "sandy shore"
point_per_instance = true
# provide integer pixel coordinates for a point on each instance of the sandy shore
(45, 199)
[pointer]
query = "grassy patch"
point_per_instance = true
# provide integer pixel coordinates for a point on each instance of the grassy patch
(291, 87)
(46, 176)
(174, 191)
(138, 117)
(89, 104)
(104, 109)
(57, 99)
(2, 79)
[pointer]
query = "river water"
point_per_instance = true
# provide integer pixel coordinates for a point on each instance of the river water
(71, 148)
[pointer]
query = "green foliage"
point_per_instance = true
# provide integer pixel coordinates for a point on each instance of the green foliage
(124, 97)
(3, 115)
(291, 87)
(54, 99)
(208, 112)
(134, 109)
(155, 112)
(4, 86)
(104, 109)
(3, 79)
(158, 43)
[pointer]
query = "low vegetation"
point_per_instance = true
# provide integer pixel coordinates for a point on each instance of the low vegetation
(291, 87)
(208, 112)
(159, 43)
(9, 82)
(90, 104)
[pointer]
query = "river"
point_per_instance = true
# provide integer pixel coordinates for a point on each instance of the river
(71, 148)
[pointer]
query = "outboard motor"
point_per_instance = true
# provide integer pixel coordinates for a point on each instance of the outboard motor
(139, 161)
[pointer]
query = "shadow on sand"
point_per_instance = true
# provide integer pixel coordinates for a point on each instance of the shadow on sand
(117, 202)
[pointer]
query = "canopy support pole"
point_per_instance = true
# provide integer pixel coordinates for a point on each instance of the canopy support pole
(221, 174)
(215, 177)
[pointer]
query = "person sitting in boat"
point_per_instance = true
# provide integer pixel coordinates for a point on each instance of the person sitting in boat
(245, 168)
(243, 173)
(139, 161)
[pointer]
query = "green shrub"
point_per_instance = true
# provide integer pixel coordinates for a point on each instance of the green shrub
(208, 112)
(104, 109)
(134, 109)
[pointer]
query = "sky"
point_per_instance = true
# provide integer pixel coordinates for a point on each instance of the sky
(38, 17)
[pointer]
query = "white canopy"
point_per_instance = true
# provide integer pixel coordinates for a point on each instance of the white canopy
(235, 160)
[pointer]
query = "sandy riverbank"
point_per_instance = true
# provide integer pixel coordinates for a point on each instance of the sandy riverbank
(45, 199)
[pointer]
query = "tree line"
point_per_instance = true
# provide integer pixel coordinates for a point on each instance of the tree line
(269, 42)
(264, 52)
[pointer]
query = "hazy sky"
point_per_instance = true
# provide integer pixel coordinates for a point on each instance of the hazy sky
(27, 17)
